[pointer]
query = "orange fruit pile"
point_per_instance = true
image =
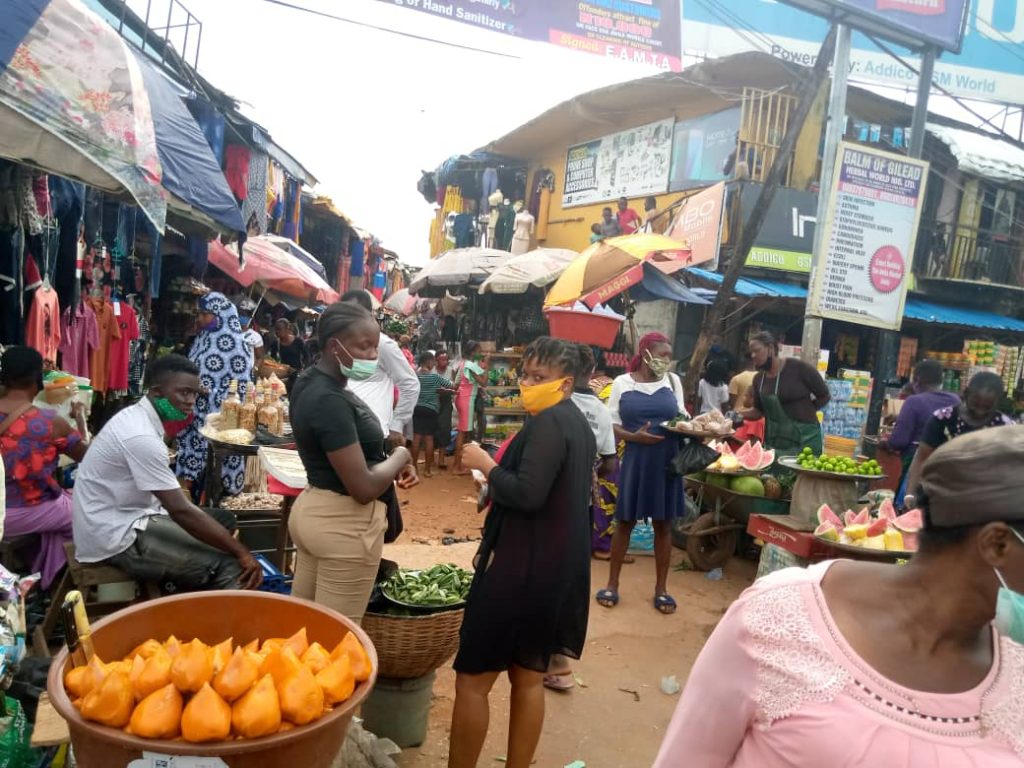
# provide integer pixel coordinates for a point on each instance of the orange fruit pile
(205, 693)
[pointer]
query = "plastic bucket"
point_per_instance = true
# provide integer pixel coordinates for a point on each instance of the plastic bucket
(213, 617)
(398, 709)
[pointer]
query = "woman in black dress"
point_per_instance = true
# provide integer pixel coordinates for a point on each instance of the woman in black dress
(529, 598)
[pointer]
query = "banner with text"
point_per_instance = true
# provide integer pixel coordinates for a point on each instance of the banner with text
(702, 149)
(786, 237)
(627, 164)
(989, 66)
(875, 203)
(637, 31)
(699, 224)
(938, 22)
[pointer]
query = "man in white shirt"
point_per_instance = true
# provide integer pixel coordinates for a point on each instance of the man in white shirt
(393, 371)
(252, 338)
(129, 510)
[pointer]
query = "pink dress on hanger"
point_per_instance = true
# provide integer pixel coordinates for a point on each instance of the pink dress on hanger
(777, 686)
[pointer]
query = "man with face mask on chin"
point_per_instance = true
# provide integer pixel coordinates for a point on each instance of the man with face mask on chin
(129, 510)
(375, 382)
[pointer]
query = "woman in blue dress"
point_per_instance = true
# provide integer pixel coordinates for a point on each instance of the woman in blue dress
(640, 401)
(222, 355)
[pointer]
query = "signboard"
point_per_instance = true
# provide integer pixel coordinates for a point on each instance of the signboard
(875, 201)
(910, 22)
(990, 64)
(699, 224)
(786, 238)
(702, 148)
(637, 31)
(632, 163)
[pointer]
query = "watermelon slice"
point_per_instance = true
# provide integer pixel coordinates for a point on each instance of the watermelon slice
(910, 522)
(863, 517)
(850, 517)
(751, 456)
(827, 531)
(878, 527)
(887, 510)
(826, 515)
(767, 459)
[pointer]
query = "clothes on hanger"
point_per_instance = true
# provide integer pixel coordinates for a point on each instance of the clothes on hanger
(464, 230)
(237, 160)
(505, 227)
(489, 184)
(42, 331)
(120, 347)
(79, 336)
(138, 355)
(109, 332)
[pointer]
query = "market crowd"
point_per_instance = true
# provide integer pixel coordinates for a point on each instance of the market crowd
(938, 677)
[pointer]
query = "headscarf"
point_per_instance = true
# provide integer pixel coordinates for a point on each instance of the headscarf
(220, 352)
(648, 341)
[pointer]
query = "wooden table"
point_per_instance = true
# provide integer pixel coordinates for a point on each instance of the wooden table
(50, 729)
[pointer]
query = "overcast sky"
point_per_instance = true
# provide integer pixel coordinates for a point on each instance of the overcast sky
(365, 111)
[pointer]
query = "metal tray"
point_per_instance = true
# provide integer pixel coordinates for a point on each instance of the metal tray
(790, 462)
(873, 554)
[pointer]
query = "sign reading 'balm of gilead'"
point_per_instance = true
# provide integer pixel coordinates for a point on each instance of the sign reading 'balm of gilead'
(874, 205)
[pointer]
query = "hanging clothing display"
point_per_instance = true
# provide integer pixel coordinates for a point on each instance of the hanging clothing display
(505, 227)
(139, 353)
(522, 232)
(489, 184)
(68, 201)
(464, 230)
(236, 169)
(128, 331)
(254, 206)
(109, 331)
(43, 329)
(79, 336)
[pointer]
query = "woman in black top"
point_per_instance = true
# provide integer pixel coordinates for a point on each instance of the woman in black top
(338, 522)
(529, 598)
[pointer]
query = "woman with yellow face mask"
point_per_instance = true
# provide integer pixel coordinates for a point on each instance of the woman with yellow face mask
(530, 596)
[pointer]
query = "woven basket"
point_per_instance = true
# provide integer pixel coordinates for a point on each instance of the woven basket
(268, 367)
(413, 646)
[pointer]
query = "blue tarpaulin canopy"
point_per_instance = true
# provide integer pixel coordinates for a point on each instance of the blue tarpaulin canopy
(915, 308)
(657, 285)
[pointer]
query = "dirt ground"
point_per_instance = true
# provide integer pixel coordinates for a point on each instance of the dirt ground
(629, 648)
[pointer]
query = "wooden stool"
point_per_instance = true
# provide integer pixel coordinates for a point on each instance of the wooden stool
(81, 576)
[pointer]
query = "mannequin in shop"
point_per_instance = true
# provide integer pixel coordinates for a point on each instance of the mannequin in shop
(523, 229)
(506, 226)
(492, 217)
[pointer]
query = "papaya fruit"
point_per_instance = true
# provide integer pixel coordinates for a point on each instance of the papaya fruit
(191, 668)
(207, 717)
(258, 712)
(237, 676)
(158, 716)
(302, 700)
(357, 656)
(145, 649)
(220, 654)
(297, 642)
(337, 681)
(172, 645)
(316, 657)
(111, 702)
(80, 680)
(280, 664)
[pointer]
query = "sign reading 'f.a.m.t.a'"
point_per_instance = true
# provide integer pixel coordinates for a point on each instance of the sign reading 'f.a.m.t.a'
(911, 22)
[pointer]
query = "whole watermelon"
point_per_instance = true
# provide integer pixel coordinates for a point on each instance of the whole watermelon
(721, 481)
(750, 486)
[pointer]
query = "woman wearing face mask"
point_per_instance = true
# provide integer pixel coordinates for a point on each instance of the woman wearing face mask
(338, 521)
(788, 393)
(530, 595)
(979, 410)
(220, 352)
(640, 401)
(470, 377)
(868, 664)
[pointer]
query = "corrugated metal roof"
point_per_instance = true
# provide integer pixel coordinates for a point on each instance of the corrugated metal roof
(982, 154)
(915, 308)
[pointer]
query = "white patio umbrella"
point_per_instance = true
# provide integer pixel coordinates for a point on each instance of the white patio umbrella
(537, 268)
(461, 266)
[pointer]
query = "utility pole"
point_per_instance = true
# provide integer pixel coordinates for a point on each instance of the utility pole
(806, 94)
(887, 357)
(811, 341)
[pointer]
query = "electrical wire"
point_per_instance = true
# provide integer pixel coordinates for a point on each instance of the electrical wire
(357, 23)
(1009, 46)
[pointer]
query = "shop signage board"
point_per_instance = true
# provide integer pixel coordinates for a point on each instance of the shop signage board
(699, 224)
(636, 31)
(786, 238)
(989, 65)
(702, 148)
(631, 163)
(875, 201)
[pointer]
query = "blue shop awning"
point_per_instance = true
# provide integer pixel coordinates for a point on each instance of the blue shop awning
(915, 308)
(657, 285)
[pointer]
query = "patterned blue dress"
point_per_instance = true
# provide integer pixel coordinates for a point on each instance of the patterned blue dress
(222, 355)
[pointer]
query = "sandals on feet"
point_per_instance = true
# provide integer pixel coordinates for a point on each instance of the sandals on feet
(664, 603)
(608, 598)
(562, 682)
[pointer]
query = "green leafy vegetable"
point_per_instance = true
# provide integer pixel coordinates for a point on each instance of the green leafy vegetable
(440, 585)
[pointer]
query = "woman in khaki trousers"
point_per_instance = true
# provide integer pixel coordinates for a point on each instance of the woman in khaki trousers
(338, 522)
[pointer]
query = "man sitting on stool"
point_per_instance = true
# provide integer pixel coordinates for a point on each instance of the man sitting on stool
(129, 510)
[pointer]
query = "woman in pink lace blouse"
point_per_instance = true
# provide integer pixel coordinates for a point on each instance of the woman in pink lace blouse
(860, 664)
